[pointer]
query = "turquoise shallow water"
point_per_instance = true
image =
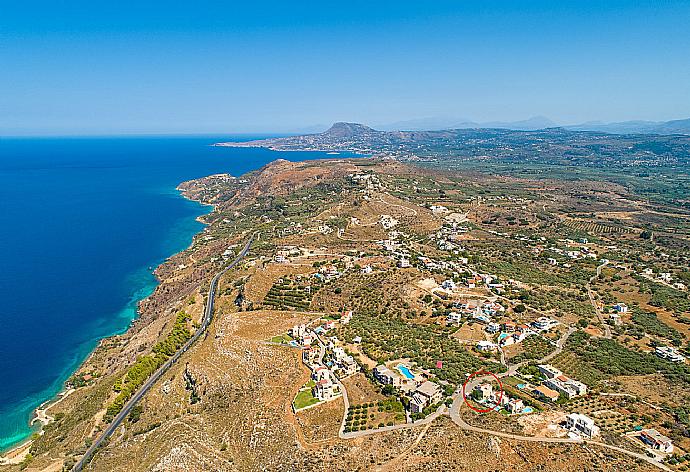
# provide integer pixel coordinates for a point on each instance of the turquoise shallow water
(83, 222)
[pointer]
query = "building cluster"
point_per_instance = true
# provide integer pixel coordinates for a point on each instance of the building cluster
(420, 391)
(560, 384)
(314, 351)
(665, 278)
(485, 395)
(344, 364)
(284, 253)
(478, 310)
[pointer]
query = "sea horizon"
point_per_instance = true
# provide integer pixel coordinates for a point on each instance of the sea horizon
(93, 270)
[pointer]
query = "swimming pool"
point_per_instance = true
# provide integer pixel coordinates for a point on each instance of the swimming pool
(405, 371)
(527, 409)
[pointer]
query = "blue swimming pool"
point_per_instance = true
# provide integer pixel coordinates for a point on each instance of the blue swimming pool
(405, 371)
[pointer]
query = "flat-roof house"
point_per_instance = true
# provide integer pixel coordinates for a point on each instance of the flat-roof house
(581, 424)
(320, 373)
(386, 376)
(492, 328)
(514, 406)
(486, 346)
(324, 390)
(620, 307)
(298, 331)
(567, 386)
(549, 371)
(669, 353)
(418, 403)
(657, 441)
(482, 392)
(431, 390)
(454, 317)
(348, 366)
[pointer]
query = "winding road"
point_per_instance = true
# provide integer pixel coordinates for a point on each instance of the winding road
(208, 316)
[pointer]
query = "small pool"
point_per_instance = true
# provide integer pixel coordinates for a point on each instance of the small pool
(521, 386)
(405, 371)
(527, 409)
(502, 336)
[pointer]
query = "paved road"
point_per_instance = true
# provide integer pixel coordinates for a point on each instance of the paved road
(457, 419)
(208, 316)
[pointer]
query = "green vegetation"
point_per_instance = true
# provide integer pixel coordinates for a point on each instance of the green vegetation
(665, 297)
(646, 322)
(286, 293)
(386, 338)
(281, 339)
(534, 347)
(610, 358)
(145, 366)
(564, 301)
(304, 399)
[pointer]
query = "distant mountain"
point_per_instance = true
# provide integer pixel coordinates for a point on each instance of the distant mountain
(635, 127)
(428, 124)
(440, 123)
(530, 124)
(342, 129)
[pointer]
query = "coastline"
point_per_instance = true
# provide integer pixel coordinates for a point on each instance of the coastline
(17, 452)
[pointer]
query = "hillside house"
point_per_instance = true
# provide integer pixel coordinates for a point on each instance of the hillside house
(546, 393)
(324, 390)
(549, 371)
(567, 386)
(582, 425)
(386, 376)
(656, 441)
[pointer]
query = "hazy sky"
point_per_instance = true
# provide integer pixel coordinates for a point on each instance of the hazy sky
(71, 67)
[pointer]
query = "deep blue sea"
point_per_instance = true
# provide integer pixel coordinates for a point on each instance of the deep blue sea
(82, 222)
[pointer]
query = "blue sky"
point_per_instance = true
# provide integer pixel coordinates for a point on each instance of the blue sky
(207, 67)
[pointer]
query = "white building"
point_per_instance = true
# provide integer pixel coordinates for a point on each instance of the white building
(567, 386)
(549, 371)
(544, 323)
(324, 390)
(620, 307)
(298, 331)
(483, 392)
(656, 441)
(581, 424)
(486, 346)
(386, 376)
(669, 353)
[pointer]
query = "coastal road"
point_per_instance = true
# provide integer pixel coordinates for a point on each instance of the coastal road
(208, 316)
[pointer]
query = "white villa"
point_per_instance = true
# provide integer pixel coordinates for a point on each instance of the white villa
(582, 425)
(567, 386)
(426, 394)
